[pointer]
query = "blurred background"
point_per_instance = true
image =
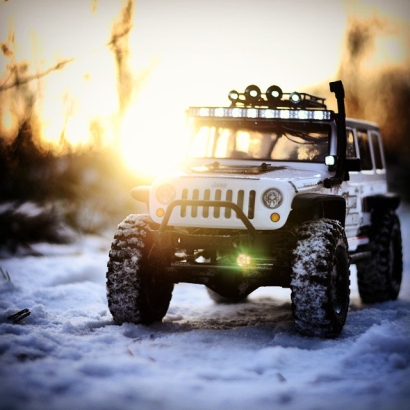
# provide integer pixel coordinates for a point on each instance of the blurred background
(93, 93)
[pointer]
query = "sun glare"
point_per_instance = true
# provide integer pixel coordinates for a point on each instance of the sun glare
(153, 135)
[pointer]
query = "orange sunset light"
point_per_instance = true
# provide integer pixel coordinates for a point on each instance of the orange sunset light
(132, 68)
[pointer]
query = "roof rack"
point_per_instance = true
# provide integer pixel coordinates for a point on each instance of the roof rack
(274, 97)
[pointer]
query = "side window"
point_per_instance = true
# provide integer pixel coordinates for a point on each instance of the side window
(364, 150)
(350, 148)
(377, 151)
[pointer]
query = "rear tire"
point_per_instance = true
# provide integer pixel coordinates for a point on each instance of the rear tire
(136, 292)
(379, 279)
(320, 278)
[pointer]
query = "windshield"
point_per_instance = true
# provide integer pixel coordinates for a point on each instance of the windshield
(284, 141)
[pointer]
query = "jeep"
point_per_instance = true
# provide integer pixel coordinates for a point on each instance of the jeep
(275, 190)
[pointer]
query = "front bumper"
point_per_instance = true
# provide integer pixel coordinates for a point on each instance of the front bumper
(207, 255)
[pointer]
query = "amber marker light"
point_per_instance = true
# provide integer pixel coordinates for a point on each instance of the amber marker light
(160, 212)
(275, 217)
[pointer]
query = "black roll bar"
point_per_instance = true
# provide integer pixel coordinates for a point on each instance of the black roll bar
(203, 202)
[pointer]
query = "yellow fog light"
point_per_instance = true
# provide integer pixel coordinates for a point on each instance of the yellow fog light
(160, 212)
(275, 217)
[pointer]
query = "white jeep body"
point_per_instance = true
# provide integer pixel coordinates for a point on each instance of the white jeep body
(243, 182)
(250, 188)
(276, 190)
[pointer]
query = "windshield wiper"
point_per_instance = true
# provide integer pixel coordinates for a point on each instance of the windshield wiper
(307, 139)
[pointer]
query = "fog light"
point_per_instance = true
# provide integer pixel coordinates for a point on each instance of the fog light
(275, 217)
(244, 260)
(160, 212)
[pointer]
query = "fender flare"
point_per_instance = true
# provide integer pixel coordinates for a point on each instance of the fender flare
(314, 206)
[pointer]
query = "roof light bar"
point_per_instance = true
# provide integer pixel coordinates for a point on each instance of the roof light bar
(262, 113)
(274, 97)
(274, 104)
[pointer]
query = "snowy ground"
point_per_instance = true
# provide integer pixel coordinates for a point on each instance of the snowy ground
(68, 354)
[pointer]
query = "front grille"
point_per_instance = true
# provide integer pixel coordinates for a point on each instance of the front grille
(244, 199)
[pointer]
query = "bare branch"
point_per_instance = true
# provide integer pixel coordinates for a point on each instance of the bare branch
(115, 37)
(6, 81)
(29, 78)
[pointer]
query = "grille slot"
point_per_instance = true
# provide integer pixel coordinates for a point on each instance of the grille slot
(244, 199)
(194, 210)
(240, 200)
(207, 196)
(183, 208)
(228, 211)
(251, 204)
(218, 196)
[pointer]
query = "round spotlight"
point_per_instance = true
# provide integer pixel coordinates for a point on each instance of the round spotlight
(252, 93)
(233, 96)
(274, 93)
(295, 98)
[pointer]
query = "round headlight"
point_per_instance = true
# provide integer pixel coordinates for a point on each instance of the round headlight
(272, 198)
(165, 194)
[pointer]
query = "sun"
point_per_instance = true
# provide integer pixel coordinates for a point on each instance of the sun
(154, 137)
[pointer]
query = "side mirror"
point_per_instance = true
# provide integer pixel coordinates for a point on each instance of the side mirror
(353, 164)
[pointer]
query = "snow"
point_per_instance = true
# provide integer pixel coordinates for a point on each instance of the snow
(68, 354)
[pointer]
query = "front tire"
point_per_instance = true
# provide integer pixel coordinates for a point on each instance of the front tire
(320, 278)
(136, 292)
(379, 279)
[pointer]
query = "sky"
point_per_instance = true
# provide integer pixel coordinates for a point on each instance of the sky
(181, 53)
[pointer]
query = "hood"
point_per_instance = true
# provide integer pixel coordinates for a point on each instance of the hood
(218, 168)
(299, 178)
